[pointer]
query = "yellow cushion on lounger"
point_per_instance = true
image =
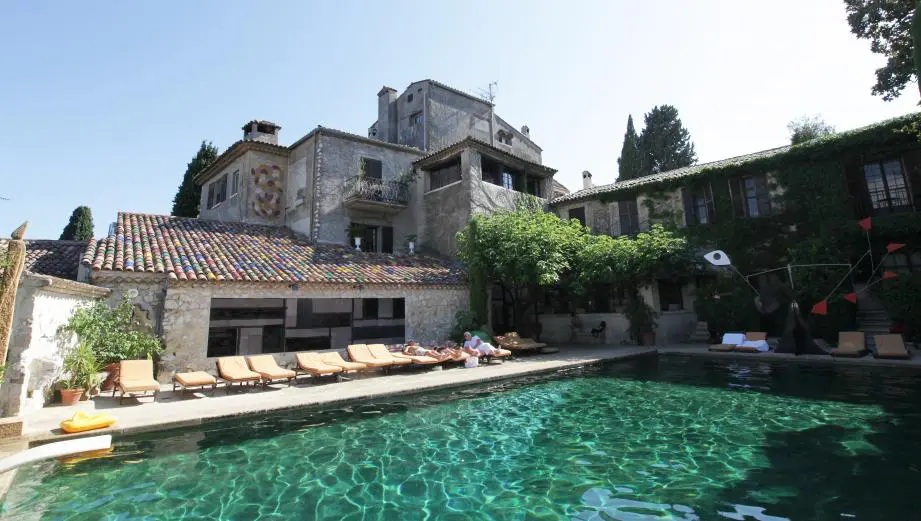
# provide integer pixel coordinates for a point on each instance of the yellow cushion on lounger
(194, 379)
(81, 422)
(335, 359)
(312, 363)
(266, 366)
(380, 352)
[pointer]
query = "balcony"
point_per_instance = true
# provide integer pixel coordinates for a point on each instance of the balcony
(370, 193)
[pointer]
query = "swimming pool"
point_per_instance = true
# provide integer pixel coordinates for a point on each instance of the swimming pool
(667, 438)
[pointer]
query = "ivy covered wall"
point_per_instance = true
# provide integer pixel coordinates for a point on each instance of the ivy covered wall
(817, 193)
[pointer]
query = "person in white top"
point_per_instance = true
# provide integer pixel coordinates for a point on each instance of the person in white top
(474, 346)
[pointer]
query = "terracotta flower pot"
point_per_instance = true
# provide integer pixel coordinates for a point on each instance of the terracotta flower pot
(71, 396)
(113, 371)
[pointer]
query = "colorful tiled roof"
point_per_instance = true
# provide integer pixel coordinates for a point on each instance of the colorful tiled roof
(49, 257)
(199, 250)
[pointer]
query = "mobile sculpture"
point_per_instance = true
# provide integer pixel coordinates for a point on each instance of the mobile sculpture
(796, 338)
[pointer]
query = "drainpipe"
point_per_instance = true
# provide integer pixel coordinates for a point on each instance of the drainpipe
(314, 225)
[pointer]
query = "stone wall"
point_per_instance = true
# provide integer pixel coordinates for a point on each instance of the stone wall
(521, 146)
(446, 211)
(233, 209)
(339, 159)
(299, 190)
(674, 327)
(429, 315)
(451, 117)
(264, 185)
(36, 351)
(150, 288)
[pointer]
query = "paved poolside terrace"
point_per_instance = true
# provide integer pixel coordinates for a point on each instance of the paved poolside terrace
(190, 408)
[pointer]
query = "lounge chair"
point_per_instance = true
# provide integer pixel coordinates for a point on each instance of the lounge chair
(512, 342)
(312, 364)
(335, 359)
(379, 349)
(754, 340)
(380, 352)
(729, 341)
(198, 379)
(359, 353)
(891, 347)
(851, 344)
(269, 369)
(136, 377)
(233, 369)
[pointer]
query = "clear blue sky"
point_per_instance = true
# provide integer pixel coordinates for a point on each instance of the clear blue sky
(104, 103)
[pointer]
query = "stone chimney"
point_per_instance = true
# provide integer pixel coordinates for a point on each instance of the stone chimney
(387, 115)
(526, 131)
(586, 180)
(260, 130)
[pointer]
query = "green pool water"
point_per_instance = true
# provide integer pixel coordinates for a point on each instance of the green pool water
(672, 438)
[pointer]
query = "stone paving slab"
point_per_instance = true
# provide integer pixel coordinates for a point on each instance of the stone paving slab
(188, 409)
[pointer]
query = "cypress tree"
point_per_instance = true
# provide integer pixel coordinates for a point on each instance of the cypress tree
(188, 197)
(629, 163)
(665, 144)
(80, 226)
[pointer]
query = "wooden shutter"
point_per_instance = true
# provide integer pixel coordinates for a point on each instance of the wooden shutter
(210, 195)
(688, 199)
(387, 239)
(369, 238)
(857, 188)
(738, 201)
(912, 161)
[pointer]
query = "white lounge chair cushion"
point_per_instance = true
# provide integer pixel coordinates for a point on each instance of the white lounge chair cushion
(733, 339)
(760, 345)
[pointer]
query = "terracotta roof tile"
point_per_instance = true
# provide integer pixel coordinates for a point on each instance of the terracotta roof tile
(196, 249)
(49, 257)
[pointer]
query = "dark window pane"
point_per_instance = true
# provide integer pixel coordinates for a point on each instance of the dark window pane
(578, 214)
(331, 320)
(222, 341)
(247, 313)
(273, 339)
(374, 332)
(372, 168)
(387, 239)
(313, 343)
(369, 308)
(670, 298)
(445, 175)
(399, 308)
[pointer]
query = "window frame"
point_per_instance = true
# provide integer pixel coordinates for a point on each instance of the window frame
(416, 118)
(762, 196)
(887, 189)
(632, 216)
(577, 209)
(370, 168)
(235, 184)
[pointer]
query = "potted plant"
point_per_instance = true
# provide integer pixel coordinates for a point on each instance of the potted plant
(411, 243)
(81, 368)
(113, 334)
(642, 321)
(354, 233)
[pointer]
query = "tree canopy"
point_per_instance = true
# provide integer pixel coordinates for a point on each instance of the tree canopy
(888, 24)
(80, 226)
(629, 164)
(664, 143)
(808, 128)
(188, 196)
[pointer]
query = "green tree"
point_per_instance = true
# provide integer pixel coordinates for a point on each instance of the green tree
(629, 164)
(890, 27)
(80, 226)
(188, 197)
(808, 128)
(521, 251)
(665, 144)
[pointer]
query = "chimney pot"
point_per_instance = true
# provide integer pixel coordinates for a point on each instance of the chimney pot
(525, 130)
(586, 180)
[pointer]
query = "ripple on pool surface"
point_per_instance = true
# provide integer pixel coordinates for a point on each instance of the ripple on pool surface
(673, 439)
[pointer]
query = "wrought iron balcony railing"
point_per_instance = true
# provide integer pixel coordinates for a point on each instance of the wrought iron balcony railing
(362, 188)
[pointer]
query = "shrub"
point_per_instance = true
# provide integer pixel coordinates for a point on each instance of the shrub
(112, 332)
(900, 298)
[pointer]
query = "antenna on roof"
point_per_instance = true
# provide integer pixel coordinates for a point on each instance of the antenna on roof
(489, 93)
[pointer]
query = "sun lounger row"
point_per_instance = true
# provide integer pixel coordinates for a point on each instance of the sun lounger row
(850, 344)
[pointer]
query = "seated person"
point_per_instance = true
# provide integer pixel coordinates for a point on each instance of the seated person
(598, 331)
(476, 347)
(414, 349)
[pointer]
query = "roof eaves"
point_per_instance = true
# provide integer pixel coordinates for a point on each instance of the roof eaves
(472, 141)
(452, 89)
(233, 152)
(355, 137)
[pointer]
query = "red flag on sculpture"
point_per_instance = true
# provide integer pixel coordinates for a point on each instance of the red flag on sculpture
(851, 297)
(865, 224)
(820, 308)
(893, 246)
(889, 275)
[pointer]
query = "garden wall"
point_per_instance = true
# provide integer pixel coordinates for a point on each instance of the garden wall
(36, 351)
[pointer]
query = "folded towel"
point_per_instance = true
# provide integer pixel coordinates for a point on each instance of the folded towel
(760, 345)
(733, 339)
